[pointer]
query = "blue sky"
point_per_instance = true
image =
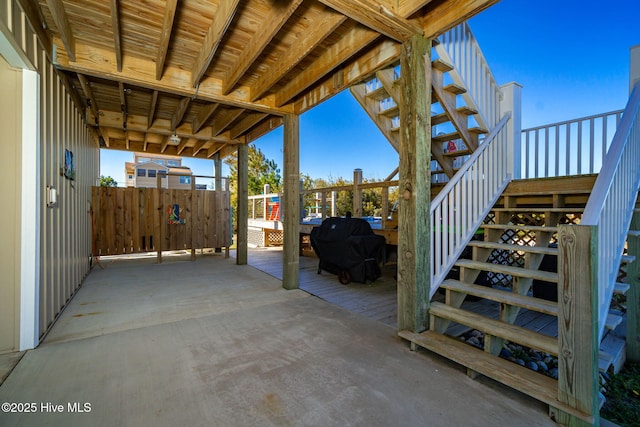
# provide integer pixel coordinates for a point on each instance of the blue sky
(571, 57)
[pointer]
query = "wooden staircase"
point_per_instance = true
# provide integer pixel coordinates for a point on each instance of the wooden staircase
(504, 269)
(453, 137)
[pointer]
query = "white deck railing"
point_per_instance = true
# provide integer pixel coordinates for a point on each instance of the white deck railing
(459, 209)
(573, 147)
(612, 201)
(459, 47)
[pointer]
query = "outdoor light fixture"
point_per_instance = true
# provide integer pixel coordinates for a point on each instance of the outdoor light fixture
(174, 139)
(52, 196)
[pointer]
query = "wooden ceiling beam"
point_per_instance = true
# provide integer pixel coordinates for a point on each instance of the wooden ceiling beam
(165, 36)
(178, 115)
(199, 145)
(123, 104)
(62, 22)
(379, 56)
(183, 144)
(203, 116)
(263, 128)
(225, 151)
(356, 40)
(164, 144)
(111, 121)
(221, 21)
(297, 52)
(152, 108)
(88, 93)
(448, 14)
(273, 22)
(223, 120)
(99, 62)
(377, 17)
(115, 26)
(439, 19)
(214, 149)
(247, 122)
(118, 144)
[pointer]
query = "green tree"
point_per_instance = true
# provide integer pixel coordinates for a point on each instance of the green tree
(261, 171)
(107, 181)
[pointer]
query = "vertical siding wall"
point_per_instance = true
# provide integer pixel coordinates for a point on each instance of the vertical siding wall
(65, 239)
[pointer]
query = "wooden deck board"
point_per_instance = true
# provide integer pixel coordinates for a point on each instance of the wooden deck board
(376, 300)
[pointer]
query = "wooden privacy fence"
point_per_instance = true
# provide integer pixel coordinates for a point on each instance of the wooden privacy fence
(131, 220)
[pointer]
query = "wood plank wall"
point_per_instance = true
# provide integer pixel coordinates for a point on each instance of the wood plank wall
(133, 220)
(65, 230)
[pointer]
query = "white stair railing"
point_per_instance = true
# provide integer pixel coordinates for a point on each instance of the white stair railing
(462, 205)
(611, 204)
(459, 47)
(572, 147)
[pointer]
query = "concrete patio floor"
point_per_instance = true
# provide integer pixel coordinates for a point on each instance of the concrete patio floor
(209, 343)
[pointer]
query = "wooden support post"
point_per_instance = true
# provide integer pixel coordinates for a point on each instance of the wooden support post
(578, 380)
(512, 102)
(333, 203)
(227, 191)
(242, 218)
(385, 206)
(266, 189)
(323, 201)
(414, 229)
(357, 193)
(191, 216)
(160, 225)
(291, 219)
(220, 201)
(633, 294)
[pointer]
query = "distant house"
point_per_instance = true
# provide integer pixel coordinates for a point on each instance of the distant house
(144, 170)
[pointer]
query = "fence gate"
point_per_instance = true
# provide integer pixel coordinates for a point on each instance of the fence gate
(132, 220)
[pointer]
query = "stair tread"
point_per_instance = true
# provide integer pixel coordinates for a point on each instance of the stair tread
(511, 298)
(469, 111)
(519, 227)
(513, 333)
(507, 247)
(457, 153)
(605, 360)
(546, 276)
(621, 288)
(477, 129)
(390, 112)
(378, 93)
(536, 385)
(442, 65)
(627, 259)
(445, 137)
(455, 88)
(612, 322)
(438, 119)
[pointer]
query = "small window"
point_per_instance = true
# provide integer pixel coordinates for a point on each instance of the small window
(130, 176)
(163, 174)
(173, 163)
(142, 172)
(143, 159)
(160, 162)
(185, 180)
(151, 173)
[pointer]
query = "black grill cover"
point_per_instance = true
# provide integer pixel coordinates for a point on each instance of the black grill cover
(348, 245)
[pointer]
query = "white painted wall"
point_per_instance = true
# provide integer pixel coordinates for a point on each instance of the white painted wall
(10, 117)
